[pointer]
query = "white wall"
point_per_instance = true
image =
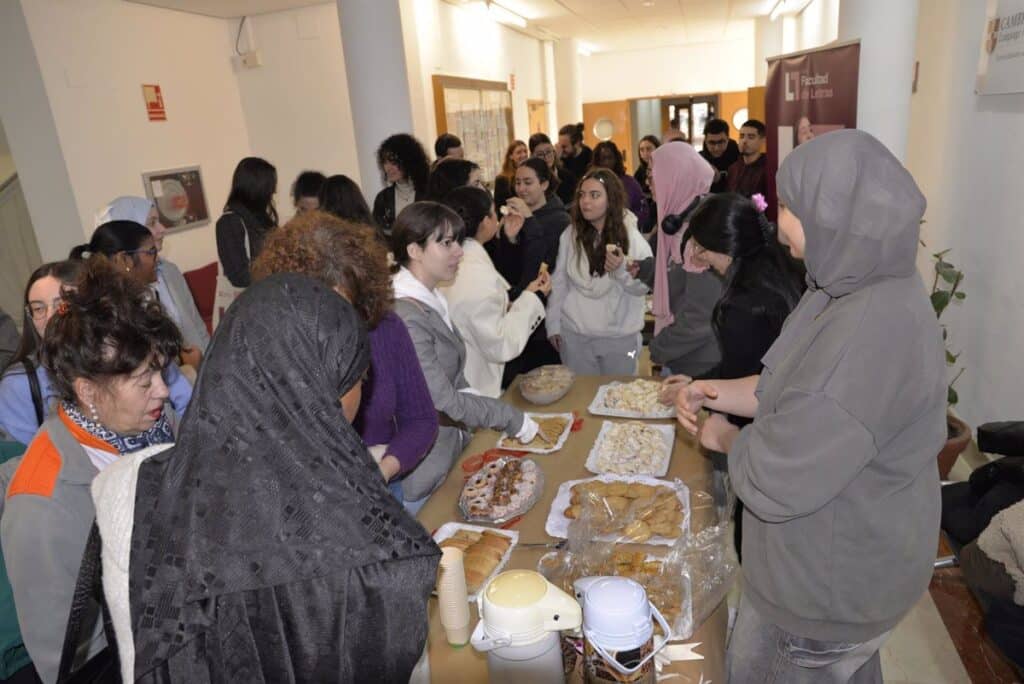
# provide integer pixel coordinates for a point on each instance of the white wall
(94, 56)
(296, 105)
(466, 42)
(818, 24)
(6, 160)
(32, 134)
(966, 155)
(677, 70)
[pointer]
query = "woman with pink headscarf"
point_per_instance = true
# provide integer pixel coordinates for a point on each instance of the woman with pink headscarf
(684, 342)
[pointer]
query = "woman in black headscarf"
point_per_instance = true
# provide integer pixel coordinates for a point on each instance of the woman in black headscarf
(266, 546)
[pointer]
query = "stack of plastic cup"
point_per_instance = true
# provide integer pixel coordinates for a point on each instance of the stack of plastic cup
(453, 598)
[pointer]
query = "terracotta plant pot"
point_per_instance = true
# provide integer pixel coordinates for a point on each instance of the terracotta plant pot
(960, 437)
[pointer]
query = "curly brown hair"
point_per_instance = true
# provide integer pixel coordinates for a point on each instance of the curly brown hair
(588, 241)
(107, 325)
(341, 254)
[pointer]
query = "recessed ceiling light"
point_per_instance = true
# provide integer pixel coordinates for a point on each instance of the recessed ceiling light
(647, 3)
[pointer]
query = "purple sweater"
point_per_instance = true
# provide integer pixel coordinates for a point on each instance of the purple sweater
(396, 409)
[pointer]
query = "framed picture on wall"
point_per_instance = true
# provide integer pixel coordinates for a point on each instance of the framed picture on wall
(179, 197)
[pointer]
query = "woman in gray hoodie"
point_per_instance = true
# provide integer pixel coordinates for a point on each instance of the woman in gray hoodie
(838, 470)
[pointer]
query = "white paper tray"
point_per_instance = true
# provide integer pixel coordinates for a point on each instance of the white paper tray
(598, 408)
(557, 525)
(668, 433)
(503, 443)
(450, 528)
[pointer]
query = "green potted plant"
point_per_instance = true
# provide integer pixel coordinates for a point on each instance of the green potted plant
(946, 289)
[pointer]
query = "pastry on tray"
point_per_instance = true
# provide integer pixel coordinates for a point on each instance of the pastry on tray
(549, 429)
(639, 396)
(482, 553)
(633, 510)
(501, 490)
(630, 448)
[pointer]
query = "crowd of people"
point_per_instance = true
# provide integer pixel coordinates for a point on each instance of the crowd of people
(257, 524)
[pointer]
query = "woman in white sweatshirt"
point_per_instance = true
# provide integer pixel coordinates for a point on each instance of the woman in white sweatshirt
(596, 309)
(494, 331)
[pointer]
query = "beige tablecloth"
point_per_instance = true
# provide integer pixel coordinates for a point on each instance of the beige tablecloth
(465, 664)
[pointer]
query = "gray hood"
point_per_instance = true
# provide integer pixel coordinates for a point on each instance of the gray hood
(860, 208)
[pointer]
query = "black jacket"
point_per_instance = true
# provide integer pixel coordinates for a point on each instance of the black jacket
(384, 207)
(233, 227)
(722, 164)
(537, 242)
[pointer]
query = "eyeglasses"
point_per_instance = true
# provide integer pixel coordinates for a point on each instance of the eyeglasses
(38, 310)
(152, 251)
(547, 154)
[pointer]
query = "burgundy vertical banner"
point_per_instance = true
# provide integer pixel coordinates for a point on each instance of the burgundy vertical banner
(808, 94)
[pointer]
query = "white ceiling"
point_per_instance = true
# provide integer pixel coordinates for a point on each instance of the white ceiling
(230, 9)
(604, 25)
(613, 25)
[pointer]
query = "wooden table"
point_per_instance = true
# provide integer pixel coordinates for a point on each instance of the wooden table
(465, 664)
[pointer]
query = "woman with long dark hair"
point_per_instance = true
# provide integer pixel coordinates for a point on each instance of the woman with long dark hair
(762, 284)
(405, 170)
(563, 181)
(450, 173)
(504, 182)
(342, 197)
(249, 215)
(596, 308)
(24, 404)
(644, 150)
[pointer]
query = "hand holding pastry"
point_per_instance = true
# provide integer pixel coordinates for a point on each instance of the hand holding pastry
(541, 284)
(614, 258)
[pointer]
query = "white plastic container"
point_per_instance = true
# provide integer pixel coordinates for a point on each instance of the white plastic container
(617, 630)
(521, 615)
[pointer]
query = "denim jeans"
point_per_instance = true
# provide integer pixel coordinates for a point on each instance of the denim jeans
(760, 653)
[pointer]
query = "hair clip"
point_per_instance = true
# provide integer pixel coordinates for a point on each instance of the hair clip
(62, 307)
(760, 202)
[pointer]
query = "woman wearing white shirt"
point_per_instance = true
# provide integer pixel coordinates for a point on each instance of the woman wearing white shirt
(596, 309)
(493, 331)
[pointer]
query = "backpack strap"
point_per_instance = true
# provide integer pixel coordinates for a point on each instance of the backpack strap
(35, 389)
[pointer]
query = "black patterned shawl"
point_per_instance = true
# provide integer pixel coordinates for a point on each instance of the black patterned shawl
(266, 545)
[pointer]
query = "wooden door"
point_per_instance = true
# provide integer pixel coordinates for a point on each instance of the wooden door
(538, 110)
(614, 118)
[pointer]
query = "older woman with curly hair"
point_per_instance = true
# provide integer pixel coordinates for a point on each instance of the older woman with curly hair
(104, 349)
(396, 419)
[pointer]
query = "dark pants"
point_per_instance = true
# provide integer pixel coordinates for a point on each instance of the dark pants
(26, 675)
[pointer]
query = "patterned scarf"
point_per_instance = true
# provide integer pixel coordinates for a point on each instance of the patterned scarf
(160, 433)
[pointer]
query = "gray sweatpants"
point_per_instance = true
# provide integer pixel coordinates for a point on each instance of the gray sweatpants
(760, 652)
(589, 355)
